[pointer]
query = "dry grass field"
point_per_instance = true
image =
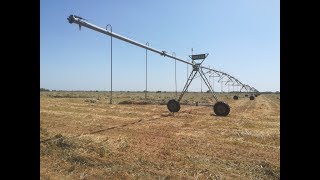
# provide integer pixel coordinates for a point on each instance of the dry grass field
(82, 136)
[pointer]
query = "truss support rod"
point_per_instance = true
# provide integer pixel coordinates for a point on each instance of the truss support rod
(190, 78)
(201, 84)
(206, 81)
(213, 83)
(175, 73)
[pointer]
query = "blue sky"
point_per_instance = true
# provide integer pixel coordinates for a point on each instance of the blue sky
(242, 38)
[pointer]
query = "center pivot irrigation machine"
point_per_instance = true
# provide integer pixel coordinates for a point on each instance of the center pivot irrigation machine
(220, 108)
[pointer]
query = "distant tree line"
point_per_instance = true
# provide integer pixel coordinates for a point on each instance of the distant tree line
(44, 89)
(208, 91)
(269, 92)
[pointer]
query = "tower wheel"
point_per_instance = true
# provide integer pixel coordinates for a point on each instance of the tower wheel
(173, 105)
(221, 109)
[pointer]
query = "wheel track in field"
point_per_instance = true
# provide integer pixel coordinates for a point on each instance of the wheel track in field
(263, 107)
(157, 117)
(255, 108)
(269, 100)
(249, 106)
(142, 111)
(241, 106)
(189, 110)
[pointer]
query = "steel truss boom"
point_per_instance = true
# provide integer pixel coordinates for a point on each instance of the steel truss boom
(220, 108)
(83, 22)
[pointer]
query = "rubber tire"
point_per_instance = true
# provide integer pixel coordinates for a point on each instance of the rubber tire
(235, 97)
(221, 109)
(173, 105)
(246, 95)
(251, 97)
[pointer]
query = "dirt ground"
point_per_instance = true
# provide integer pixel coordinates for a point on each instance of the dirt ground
(82, 136)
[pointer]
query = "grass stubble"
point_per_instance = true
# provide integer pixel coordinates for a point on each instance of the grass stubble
(84, 137)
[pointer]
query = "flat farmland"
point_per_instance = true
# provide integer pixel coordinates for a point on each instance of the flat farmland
(82, 136)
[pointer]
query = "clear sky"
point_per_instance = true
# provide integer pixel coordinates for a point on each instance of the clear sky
(242, 38)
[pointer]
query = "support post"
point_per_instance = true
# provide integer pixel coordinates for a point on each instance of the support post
(111, 62)
(145, 93)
